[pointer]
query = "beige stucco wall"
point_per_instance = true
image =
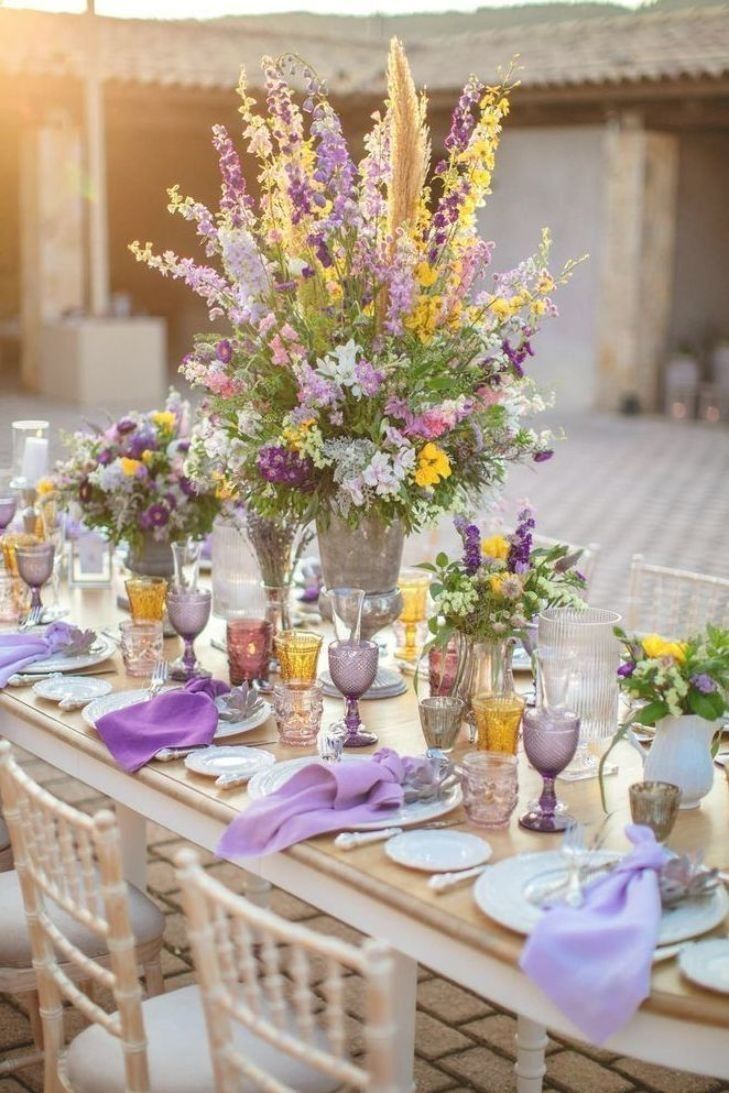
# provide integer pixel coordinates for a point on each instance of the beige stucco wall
(553, 177)
(700, 313)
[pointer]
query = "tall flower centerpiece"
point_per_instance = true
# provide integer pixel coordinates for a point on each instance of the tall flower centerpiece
(129, 480)
(682, 689)
(489, 596)
(373, 375)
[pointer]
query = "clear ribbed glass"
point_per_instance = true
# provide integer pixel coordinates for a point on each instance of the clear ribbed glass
(580, 654)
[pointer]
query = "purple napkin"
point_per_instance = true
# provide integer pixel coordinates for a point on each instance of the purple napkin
(20, 649)
(318, 799)
(182, 718)
(594, 961)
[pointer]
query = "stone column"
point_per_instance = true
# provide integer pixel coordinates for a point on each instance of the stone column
(51, 232)
(636, 283)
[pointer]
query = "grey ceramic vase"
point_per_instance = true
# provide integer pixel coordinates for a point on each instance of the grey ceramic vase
(151, 559)
(367, 557)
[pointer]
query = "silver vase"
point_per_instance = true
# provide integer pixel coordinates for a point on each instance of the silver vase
(367, 557)
(150, 558)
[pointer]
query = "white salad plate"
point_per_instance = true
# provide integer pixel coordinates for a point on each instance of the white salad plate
(119, 700)
(241, 761)
(75, 689)
(268, 781)
(438, 851)
(100, 651)
(499, 893)
(707, 963)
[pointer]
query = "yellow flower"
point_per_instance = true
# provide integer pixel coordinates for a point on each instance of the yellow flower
(295, 435)
(164, 419)
(654, 646)
(433, 464)
(500, 307)
(129, 466)
(44, 486)
(496, 547)
(425, 274)
(424, 319)
(496, 582)
(147, 456)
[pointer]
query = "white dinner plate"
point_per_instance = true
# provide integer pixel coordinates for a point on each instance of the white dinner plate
(499, 893)
(722, 758)
(391, 690)
(438, 851)
(707, 963)
(239, 760)
(100, 651)
(74, 688)
(119, 700)
(268, 781)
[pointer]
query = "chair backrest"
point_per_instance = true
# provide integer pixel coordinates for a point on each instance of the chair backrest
(72, 860)
(674, 602)
(257, 970)
(588, 555)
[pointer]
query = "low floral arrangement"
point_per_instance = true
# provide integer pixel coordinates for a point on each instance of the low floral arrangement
(374, 365)
(500, 583)
(666, 678)
(671, 678)
(129, 478)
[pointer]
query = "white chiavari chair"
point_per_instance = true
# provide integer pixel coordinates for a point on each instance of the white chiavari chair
(67, 920)
(265, 1020)
(674, 602)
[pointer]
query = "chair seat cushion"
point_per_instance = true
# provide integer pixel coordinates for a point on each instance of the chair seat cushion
(179, 1059)
(148, 924)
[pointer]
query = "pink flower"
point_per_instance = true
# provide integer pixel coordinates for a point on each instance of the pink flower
(279, 353)
(267, 323)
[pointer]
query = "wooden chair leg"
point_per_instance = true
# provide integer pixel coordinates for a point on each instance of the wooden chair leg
(153, 979)
(32, 1003)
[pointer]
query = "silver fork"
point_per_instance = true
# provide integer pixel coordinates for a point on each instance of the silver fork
(574, 850)
(158, 678)
(33, 618)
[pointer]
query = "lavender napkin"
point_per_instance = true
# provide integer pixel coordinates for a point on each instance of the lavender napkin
(594, 961)
(20, 649)
(182, 718)
(318, 799)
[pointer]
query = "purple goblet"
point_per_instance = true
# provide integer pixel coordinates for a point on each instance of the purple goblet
(353, 667)
(550, 741)
(188, 611)
(35, 566)
(8, 505)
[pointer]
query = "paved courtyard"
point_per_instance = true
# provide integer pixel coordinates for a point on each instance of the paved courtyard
(631, 484)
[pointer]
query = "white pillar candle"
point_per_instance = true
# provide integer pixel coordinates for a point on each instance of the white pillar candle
(35, 459)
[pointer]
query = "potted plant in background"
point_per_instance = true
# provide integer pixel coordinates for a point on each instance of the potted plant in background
(129, 480)
(373, 376)
(681, 689)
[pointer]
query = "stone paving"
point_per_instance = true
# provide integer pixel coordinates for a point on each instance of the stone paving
(631, 484)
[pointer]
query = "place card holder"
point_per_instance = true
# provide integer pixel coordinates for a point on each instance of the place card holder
(90, 561)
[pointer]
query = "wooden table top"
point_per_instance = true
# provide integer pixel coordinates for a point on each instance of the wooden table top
(368, 869)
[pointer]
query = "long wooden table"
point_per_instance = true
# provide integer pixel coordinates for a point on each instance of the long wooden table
(680, 1026)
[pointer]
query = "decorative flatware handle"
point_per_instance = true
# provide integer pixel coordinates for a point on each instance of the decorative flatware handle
(441, 882)
(348, 840)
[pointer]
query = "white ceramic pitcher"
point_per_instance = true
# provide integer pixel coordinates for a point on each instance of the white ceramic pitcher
(681, 754)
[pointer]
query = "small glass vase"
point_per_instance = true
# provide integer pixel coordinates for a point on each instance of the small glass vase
(483, 669)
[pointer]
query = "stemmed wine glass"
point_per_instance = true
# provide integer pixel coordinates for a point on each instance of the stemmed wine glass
(8, 502)
(35, 566)
(353, 667)
(188, 611)
(550, 732)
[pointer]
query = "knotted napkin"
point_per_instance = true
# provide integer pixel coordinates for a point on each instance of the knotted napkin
(20, 649)
(183, 718)
(594, 961)
(317, 799)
